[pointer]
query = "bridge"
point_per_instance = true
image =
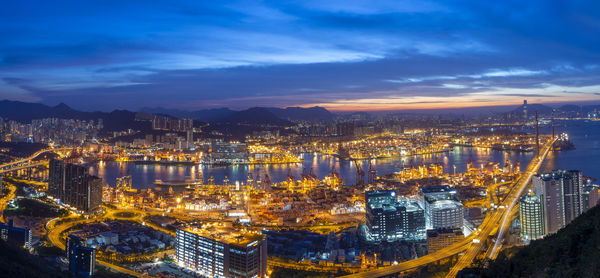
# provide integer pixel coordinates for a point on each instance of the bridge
(29, 161)
(494, 225)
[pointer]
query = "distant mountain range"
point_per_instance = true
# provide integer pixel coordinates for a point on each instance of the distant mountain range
(26, 111)
(123, 119)
(296, 114)
(205, 115)
(255, 116)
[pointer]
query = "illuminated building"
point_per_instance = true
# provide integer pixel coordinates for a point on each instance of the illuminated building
(56, 178)
(590, 196)
(190, 139)
(82, 259)
(390, 219)
(561, 193)
(442, 210)
(345, 129)
(13, 236)
(74, 186)
(531, 214)
(124, 183)
(226, 153)
(216, 252)
(440, 238)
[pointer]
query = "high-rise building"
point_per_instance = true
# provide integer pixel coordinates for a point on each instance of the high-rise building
(438, 239)
(531, 215)
(190, 139)
(215, 251)
(591, 195)
(149, 140)
(74, 186)
(389, 218)
(345, 129)
(56, 178)
(82, 259)
(16, 237)
(442, 209)
(561, 194)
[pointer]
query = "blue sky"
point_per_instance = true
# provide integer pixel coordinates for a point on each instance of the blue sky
(343, 55)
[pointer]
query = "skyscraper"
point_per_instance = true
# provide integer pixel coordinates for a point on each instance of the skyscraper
(591, 195)
(190, 138)
(56, 178)
(561, 194)
(74, 186)
(531, 214)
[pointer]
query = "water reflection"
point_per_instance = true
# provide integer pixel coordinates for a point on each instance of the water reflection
(321, 165)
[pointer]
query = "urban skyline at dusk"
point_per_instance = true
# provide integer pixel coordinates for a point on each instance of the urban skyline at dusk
(357, 56)
(299, 139)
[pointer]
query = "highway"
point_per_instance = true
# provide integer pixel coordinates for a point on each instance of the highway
(500, 219)
(27, 162)
(33, 156)
(494, 220)
(6, 198)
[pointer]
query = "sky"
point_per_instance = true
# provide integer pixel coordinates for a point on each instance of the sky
(343, 55)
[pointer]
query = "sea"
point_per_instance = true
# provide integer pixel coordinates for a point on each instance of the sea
(584, 134)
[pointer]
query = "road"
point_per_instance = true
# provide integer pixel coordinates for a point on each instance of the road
(55, 231)
(33, 156)
(501, 218)
(28, 161)
(447, 252)
(54, 235)
(4, 200)
(491, 222)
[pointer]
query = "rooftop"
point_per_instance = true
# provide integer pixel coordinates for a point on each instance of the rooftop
(556, 174)
(446, 204)
(437, 189)
(224, 232)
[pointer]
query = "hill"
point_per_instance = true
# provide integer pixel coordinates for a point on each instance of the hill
(18, 263)
(205, 115)
(26, 111)
(311, 114)
(298, 114)
(572, 252)
(255, 116)
(531, 108)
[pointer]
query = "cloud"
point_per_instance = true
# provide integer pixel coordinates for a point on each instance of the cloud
(243, 53)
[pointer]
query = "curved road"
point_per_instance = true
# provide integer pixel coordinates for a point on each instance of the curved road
(4, 200)
(55, 231)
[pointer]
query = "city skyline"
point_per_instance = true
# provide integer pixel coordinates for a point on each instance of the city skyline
(359, 56)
